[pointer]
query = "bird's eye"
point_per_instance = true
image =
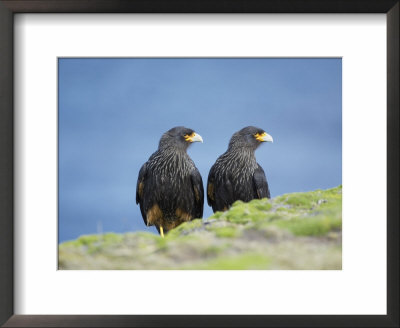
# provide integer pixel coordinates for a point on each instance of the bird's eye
(188, 137)
(260, 136)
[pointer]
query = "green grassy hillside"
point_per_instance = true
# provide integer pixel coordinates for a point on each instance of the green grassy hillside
(292, 231)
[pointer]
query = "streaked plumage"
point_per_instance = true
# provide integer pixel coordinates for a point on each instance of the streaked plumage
(170, 188)
(236, 175)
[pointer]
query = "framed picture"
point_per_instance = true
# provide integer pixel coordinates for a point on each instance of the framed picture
(86, 101)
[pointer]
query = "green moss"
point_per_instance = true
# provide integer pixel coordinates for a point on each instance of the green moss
(143, 236)
(241, 262)
(217, 215)
(86, 240)
(227, 232)
(238, 203)
(238, 213)
(301, 200)
(243, 213)
(213, 250)
(185, 228)
(308, 200)
(255, 216)
(185, 239)
(111, 238)
(281, 209)
(280, 199)
(161, 243)
(335, 190)
(312, 226)
(260, 204)
(95, 243)
(272, 226)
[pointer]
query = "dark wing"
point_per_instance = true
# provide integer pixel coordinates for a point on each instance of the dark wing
(140, 190)
(219, 191)
(260, 183)
(211, 187)
(198, 189)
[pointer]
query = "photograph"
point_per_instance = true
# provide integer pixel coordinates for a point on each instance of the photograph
(223, 163)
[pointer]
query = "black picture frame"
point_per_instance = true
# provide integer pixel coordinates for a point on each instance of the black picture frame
(10, 7)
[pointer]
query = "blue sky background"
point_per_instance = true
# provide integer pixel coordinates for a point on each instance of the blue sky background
(112, 113)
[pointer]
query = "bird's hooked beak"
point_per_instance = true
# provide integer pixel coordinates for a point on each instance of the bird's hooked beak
(264, 137)
(194, 137)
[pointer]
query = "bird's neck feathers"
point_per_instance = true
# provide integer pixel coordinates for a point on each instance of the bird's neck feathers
(168, 150)
(240, 144)
(241, 150)
(172, 160)
(245, 153)
(169, 145)
(240, 158)
(236, 163)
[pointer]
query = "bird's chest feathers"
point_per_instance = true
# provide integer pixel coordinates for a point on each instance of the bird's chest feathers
(239, 166)
(173, 169)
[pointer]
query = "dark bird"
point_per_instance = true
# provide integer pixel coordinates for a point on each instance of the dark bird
(169, 187)
(236, 175)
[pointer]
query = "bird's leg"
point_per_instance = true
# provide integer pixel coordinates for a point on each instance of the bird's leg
(161, 231)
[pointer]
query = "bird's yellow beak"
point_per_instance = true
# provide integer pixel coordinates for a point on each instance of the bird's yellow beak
(193, 137)
(263, 137)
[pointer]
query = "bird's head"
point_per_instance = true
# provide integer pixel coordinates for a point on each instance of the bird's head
(249, 137)
(179, 137)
